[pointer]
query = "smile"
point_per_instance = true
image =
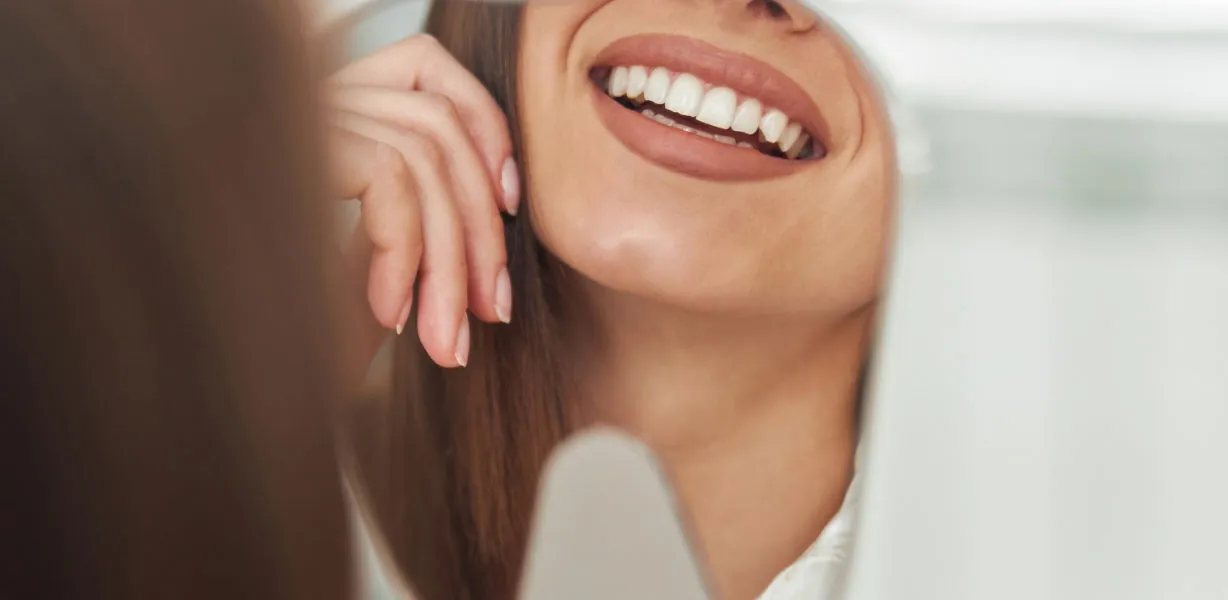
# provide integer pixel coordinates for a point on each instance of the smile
(685, 102)
(703, 111)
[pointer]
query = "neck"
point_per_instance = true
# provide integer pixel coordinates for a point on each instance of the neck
(754, 417)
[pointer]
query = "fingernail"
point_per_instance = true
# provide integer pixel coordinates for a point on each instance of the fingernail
(511, 186)
(409, 303)
(462, 342)
(503, 296)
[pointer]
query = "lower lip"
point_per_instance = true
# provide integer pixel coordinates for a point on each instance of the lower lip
(684, 152)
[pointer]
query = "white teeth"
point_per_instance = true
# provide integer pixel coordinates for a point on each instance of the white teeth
(618, 82)
(789, 136)
(664, 120)
(773, 125)
(718, 107)
(637, 77)
(685, 95)
(746, 118)
(657, 86)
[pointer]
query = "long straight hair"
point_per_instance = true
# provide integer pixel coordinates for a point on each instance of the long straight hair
(166, 332)
(455, 473)
(453, 480)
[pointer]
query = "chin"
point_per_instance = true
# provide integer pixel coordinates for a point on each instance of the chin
(696, 280)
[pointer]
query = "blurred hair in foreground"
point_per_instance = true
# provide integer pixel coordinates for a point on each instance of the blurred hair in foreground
(165, 329)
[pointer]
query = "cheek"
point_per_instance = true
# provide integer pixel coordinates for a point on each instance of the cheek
(839, 253)
(596, 207)
(841, 262)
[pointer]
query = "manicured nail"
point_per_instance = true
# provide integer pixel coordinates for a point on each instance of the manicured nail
(462, 342)
(409, 303)
(503, 296)
(511, 186)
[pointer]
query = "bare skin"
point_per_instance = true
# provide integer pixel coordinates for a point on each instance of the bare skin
(754, 419)
(725, 322)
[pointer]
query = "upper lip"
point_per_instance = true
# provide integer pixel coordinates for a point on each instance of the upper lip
(746, 75)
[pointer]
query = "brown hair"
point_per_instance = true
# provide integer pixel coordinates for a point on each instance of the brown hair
(165, 326)
(452, 461)
(455, 478)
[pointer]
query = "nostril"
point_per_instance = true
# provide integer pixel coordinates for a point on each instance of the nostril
(771, 8)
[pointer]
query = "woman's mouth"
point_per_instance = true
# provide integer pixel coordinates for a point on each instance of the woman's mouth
(694, 108)
(686, 102)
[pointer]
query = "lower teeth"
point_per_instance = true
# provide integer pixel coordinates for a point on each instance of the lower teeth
(664, 120)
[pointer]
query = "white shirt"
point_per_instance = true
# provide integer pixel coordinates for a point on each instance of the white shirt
(820, 572)
(817, 575)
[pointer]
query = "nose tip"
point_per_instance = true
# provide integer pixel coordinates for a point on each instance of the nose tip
(799, 17)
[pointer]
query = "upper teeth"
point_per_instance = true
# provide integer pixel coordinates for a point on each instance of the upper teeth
(687, 95)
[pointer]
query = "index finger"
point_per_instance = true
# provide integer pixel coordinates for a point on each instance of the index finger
(421, 63)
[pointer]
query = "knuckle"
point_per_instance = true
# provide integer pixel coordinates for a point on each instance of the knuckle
(440, 107)
(424, 42)
(392, 161)
(422, 150)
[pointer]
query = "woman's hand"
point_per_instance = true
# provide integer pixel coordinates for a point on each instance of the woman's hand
(426, 149)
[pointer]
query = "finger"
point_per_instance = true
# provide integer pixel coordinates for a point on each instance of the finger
(420, 63)
(391, 223)
(435, 116)
(442, 274)
(364, 335)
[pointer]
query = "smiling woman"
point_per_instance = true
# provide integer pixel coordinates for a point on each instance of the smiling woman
(703, 274)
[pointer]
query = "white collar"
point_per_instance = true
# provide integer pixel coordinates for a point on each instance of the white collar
(820, 571)
(818, 574)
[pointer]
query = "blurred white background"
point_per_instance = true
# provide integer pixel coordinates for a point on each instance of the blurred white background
(1053, 388)
(1052, 394)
